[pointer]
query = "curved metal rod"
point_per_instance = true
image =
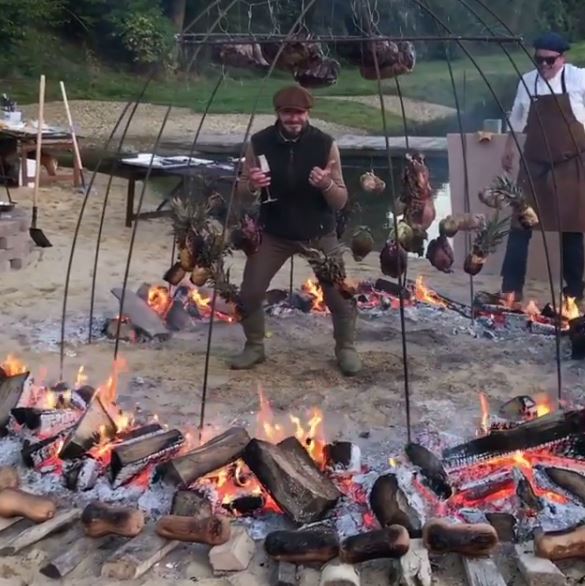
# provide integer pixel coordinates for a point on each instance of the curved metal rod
(466, 196)
(76, 235)
(514, 136)
(405, 367)
(262, 84)
(139, 208)
(555, 189)
(103, 214)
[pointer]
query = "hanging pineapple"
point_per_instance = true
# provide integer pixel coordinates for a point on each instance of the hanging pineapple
(200, 276)
(329, 270)
(362, 243)
(393, 259)
(371, 183)
(486, 243)
(440, 254)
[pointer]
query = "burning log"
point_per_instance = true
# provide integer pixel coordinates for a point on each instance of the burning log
(431, 468)
(476, 492)
(316, 544)
(187, 503)
(441, 536)
(390, 542)
(345, 455)
(141, 315)
(35, 455)
(212, 531)
(526, 493)
(390, 505)
(393, 289)
(131, 457)
(11, 389)
(505, 526)
(577, 337)
(217, 452)
(245, 505)
(289, 474)
(572, 482)
(100, 519)
(96, 425)
(45, 422)
(538, 432)
(82, 474)
(517, 408)
(560, 545)
(17, 503)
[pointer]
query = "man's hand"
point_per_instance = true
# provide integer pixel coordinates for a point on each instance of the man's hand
(321, 178)
(257, 179)
(508, 158)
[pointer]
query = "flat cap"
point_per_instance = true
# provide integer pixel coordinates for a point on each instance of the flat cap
(294, 97)
(552, 42)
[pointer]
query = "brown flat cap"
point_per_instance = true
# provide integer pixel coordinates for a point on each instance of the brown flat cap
(294, 97)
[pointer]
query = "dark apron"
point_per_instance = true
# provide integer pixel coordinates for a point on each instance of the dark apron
(550, 144)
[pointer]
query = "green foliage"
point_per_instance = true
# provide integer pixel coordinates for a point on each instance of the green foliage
(20, 17)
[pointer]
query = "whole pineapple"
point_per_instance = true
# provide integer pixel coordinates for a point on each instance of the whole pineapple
(486, 243)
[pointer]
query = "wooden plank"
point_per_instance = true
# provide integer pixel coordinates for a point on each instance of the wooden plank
(37, 532)
(11, 389)
(482, 572)
(137, 556)
(76, 553)
(415, 566)
(141, 314)
(537, 571)
(6, 523)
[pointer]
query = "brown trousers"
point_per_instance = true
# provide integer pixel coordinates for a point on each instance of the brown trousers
(273, 253)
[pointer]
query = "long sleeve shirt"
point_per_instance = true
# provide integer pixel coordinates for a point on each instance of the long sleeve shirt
(335, 194)
(575, 84)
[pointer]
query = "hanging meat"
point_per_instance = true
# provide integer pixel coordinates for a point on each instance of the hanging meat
(318, 74)
(486, 243)
(393, 259)
(362, 243)
(243, 56)
(295, 55)
(371, 183)
(417, 192)
(394, 59)
(247, 235)
(454, 223)
(440, 254)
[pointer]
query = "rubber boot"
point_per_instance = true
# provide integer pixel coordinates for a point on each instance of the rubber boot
(253, 352)
(344, 333)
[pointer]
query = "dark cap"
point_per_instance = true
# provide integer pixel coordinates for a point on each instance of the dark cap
(293, 97)
(552, 42)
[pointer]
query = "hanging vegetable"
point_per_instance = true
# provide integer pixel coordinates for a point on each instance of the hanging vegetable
(440, 254)
(247, 235)
(362, 243)
(393, 259)
(371, 183)
(452, 224)
(504, 191)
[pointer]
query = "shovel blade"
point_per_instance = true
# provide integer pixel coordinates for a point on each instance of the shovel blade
(39, 238)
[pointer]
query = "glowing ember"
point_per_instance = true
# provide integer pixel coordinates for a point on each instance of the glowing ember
(570, 309)
(315, 291)
(13, 366)
(159, 299)
(81, 379)
(543, 404)
(425, 295)
(532, 309)
(203, 305)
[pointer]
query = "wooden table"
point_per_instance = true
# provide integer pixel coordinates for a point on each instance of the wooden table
(25, 143)
(136, 173)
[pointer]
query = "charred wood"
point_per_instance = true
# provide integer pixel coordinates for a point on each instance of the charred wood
(36, 454)
(431, 468)
(214, 454)
(245, 505)
(82, 474)
(344, 455)
(132, 456)
(505, 525)
(577, 337)
(560, 545)
(526, 493)
(11, 389)
(532, 434)
(477, 492)
(390, 542)
(440, 536)
(289, 474)
(188, 503)
(390, 505)
(46, 422)
(572, 482)
(141, 315)
(317, 544)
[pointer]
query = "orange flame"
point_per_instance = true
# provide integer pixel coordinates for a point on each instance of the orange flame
(543, 404)
(13, 366)
(81, 378)
(159, 299)
(314, 289)
(426, 295)
(570, 309)
(204, 306)
(532, 309)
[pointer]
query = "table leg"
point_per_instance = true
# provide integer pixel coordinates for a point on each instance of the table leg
(177, 189)
(23, 166)
(130, 201)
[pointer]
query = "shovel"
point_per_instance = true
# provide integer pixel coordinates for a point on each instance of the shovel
(37, 234)
(76, 151)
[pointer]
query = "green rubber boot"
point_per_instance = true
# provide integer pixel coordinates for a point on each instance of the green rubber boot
(253, 352)
(348, 359)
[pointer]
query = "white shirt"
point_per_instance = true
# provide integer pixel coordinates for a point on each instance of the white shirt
(574, 81)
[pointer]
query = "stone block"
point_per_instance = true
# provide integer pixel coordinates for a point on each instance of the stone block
(235, 555)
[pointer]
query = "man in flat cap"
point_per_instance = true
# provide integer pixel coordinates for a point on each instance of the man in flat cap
(295, 170)
(555, 143)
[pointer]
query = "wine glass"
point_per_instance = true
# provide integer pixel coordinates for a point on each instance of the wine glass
(265, 167)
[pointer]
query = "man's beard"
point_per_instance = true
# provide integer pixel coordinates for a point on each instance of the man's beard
(292, 134)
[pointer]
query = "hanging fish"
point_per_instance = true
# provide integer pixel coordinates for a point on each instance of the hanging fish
(393, 259)
(371, 183)
(440, 254)
(362, 243)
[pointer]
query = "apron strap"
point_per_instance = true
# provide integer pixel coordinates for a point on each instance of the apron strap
(563, 83)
